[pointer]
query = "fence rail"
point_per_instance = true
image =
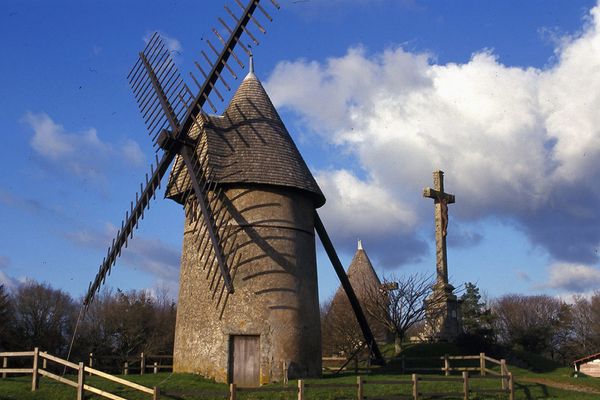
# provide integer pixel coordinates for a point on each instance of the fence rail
(80, 368)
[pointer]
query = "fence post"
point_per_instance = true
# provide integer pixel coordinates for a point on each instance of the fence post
(142, 363)
(503, 371)
(446, 365)
(4, 365)
(35, 380)
(91, 362)
(156, 393)
(482, 363)
(155, 367)
(511, 386)
(232, 391)
(359, 384)
(126, 368)
(415, 381)
(300, 389)
(285, 373)
(465, 375)
(80, 381)
(44, 363)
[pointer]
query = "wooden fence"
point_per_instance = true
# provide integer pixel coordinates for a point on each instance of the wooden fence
(145, 363)
(416, 391)
(80, 368)
(448, 364)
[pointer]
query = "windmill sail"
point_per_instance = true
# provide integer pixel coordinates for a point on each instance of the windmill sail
(178, 109)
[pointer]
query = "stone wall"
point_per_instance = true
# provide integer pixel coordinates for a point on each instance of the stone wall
(271, 234)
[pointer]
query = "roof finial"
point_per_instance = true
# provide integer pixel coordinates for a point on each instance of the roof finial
(250, 65)
(360, 244)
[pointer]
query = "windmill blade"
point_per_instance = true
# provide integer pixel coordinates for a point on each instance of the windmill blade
(341, 273)
(155, 63)
(128, 225)
(164, 100)
(217, 65)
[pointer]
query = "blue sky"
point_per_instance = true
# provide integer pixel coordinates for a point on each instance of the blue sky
(502, 95)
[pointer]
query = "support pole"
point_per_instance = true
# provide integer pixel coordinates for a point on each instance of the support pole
(80, 381)
(35, 379)
(446, 365)
(91, 362)
(142, 364)
(415, 382)
(359, 385)
(482, 363)
(232, 391)
(465, 375)
(300, 389)
(503, 371)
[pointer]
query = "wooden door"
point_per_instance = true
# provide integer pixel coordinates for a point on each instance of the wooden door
(244, 359)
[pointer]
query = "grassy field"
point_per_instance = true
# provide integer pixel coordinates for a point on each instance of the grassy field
(185, 386)
(541, 380)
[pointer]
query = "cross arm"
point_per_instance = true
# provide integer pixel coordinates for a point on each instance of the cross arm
(438, 196)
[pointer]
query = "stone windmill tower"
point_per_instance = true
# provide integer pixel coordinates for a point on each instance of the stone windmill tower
(248, 303)
(268, 197)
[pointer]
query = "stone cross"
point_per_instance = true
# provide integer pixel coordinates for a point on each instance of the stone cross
(441, 201)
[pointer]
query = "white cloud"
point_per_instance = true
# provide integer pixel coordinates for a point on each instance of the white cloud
(147, 255)
(8, 282)
(576, 278)
(132, 152)
(517, 143)
(82, 154)
(373, 210)
(172, 44)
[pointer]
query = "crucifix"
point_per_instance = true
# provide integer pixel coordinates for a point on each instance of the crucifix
(441, 201)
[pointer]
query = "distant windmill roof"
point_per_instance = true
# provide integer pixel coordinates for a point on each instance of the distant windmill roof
(248, 144)
(362, 277)
(366, 285)
(361, 273)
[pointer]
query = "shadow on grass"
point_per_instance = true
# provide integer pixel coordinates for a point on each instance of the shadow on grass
(531, 391)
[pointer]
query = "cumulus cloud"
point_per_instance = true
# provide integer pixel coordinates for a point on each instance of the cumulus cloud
(9, 282)
(148, 255)
(82, 154)
(374, 213)
(575, 278)
(521, 144)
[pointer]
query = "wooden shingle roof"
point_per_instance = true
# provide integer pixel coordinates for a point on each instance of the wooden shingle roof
(247, 144)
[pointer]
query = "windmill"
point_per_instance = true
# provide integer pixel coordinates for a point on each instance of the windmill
(219, 238)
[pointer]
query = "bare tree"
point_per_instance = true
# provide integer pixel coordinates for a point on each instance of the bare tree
(534, 323)
(6, 316)
(341, 333)
(400, 304)
(44, 317)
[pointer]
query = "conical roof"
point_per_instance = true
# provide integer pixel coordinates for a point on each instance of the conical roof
(366, 285)
(362, 275)
(248, 144)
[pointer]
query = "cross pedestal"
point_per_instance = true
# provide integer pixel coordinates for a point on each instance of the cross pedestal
(443, 311)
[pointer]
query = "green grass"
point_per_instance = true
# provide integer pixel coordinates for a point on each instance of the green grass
(534, 383)
(199, 388)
